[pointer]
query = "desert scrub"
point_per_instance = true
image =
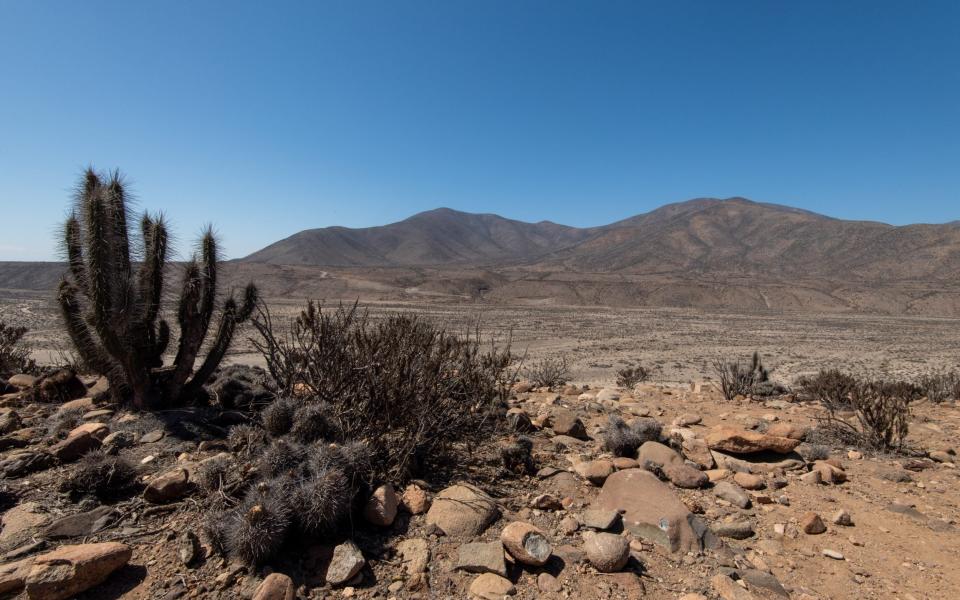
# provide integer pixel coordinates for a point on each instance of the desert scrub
(621, 439)
(830, 387)
(743, 379)
(629, 377)
(101, 475)
(881, 415)
(110, 299)
(14, 354)
(550, 372)
(941, 386)
(404, 387)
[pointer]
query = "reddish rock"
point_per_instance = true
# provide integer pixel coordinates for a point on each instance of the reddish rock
(526, 543)
(74, 446)
(738, 441)
(276, 586)
(167, 487)
(415, 500)
(69, 570)
(381, 508)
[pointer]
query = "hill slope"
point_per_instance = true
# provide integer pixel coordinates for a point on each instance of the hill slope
(699, 237)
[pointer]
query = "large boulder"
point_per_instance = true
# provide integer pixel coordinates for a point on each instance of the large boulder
(462, 511)
(650, 509)
(739, 441)
(565, 422)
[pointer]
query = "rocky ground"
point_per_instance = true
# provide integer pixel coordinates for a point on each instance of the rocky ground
(729, 502)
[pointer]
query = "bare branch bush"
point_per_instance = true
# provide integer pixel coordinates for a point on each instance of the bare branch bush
(551, 372)
(941, 386)
(404, 387)
(14, 354)
(881, 413)
(738, 379)
(628, 377)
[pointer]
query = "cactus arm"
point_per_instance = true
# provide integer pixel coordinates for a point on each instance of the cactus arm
(231, 316)
(72, 240)
(151, 270)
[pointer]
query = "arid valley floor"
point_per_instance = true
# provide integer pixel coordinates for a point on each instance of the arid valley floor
(904, 510)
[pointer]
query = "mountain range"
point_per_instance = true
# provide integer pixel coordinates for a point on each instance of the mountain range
(700, 237)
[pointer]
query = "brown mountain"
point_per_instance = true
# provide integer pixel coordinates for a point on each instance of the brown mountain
(700, 237)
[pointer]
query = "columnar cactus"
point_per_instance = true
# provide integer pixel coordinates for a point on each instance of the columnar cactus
(111, 302)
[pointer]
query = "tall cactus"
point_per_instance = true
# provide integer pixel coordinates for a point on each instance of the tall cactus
(111, 299)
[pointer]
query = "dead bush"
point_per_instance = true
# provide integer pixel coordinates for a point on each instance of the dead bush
(14, 354)
(550, 372)
(739, 379)
(941, 386)
(403, 387)
(880, 420)
(628, 377)
(830, 387)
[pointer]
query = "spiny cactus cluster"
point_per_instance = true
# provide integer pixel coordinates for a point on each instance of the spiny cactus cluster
(111, 299)
(306, 481)
(101, 475)
(622, 439)
(516, 456)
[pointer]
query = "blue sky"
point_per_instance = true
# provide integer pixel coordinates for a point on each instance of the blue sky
(268, 118)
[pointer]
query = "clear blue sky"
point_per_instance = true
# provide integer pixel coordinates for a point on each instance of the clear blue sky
(271, 117)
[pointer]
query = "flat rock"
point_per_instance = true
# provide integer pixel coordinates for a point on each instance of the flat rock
(21, 520)
(594, 471)
(600, 518)
(482, 557)
(738, 441)
(152, 437)
(70, 570)
(489, 586)
(462, 510)
(696, 449)
(732, 493)
(651, 510)
(81, 524)
(656, 455)
(169, 486)
(416, 555)
(75, 446)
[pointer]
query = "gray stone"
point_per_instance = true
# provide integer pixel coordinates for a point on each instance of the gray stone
(732, 493)
(462, 511)
(607, 552)
(346, 563)
(738, 530)
(599, 518)
(482, 557)
(81, 524)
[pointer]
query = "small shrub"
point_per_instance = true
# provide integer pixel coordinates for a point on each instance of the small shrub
(737, 379)
(832, 388)
(102, 475)
(942, 386)
(882, 411)
(629, 377)
(516, 458)
(551, 372)
(14, 354)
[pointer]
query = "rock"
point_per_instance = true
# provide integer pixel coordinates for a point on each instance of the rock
(188, 547)
(607, 395)
(843, 518)
(75, 446)
(697, 451)
(24, 462)
(622, 462)
(13, 575)
(70, 570)
(738, 530)
(728, 439)
(152, 437)
(9, 422)
(526, 543)
(489, 586)
(21, 520)
(97, 430)
(732, 493)
(568, 525)
(599, 518)
(519, 420)
(654, 455)
(812, 524)
(546, 502)
(462, 511)
(607, 552)
(686, 420)
(60, 386)
(416, 555)
(715, 475)
(594, 471)
(548, 584)
(728, 589)
(381, 508)
(651, 510)
(168, 487)
(787, 430)
(761, 581)
(829, 473)
(276, 586)
(415, 500)
(565, 422)
(100, 413)
(482, 557)
(749, 481)
(811, 478)
(832, 554)
(22, 381)
(84, 404)
(346, 563)
(119, 439)
(81, 524)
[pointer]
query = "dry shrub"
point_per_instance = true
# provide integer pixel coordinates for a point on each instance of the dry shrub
(739, 379)
(881, 410)
(14, 354)
(403, 387)
(628, 377)
(941, 386)
(551, 372)
(831, 387)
